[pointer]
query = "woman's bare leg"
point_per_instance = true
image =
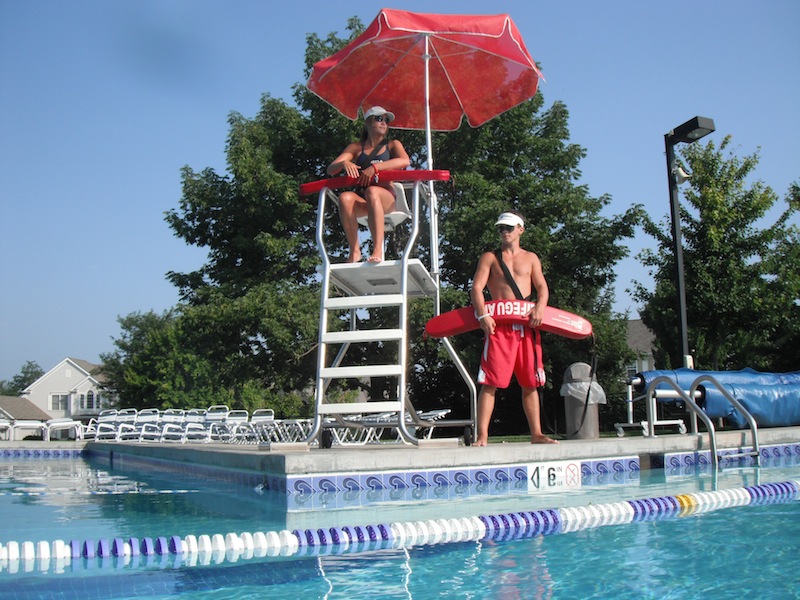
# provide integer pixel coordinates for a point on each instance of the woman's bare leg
(379, 201)
(348, 215)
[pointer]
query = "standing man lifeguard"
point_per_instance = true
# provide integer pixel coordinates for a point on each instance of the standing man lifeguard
(510, 348)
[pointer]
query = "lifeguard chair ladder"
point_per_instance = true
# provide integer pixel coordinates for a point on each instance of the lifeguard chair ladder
(364, 285)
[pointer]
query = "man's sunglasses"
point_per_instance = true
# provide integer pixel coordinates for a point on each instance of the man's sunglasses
(505, 228)
(380, 119)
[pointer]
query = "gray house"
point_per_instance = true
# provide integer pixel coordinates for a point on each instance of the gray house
(71, 389)
(640, 340)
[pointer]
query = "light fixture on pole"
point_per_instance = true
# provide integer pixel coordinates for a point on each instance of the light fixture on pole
(681, 176)
(689, 132)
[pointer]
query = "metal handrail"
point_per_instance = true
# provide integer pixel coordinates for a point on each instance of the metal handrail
(688, 398)
(755, 453)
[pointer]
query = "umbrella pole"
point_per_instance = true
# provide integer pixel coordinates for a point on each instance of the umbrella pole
(434, 225)
(427, 58)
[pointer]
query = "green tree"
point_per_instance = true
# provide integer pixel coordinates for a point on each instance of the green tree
(742, 279)
(30, 372)
(153, 365)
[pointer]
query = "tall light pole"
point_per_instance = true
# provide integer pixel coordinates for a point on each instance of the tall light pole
(689, 132)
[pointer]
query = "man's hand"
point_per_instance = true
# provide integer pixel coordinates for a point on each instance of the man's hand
(536, 316)
(488, 324)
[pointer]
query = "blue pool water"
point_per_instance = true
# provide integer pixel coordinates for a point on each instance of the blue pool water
(734, 552)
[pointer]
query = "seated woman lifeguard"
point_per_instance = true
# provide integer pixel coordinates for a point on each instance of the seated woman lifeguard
(363, 159)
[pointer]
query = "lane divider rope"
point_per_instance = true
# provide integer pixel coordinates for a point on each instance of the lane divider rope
(216, 548)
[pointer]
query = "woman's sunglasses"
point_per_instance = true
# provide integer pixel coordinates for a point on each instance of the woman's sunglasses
(380, 119)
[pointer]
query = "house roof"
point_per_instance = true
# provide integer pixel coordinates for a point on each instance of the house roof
(92, 369)
(89, 370)
(14, 407)
(640, 338)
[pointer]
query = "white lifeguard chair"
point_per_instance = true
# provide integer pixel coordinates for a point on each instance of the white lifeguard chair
(390, 284)
(400, 214)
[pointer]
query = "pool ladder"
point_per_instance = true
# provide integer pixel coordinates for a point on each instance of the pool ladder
(696, 411)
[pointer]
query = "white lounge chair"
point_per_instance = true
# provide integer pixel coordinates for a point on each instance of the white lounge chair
(5, 427)
(106, 432)
(26, 424)
(66, 424)
(264, 426)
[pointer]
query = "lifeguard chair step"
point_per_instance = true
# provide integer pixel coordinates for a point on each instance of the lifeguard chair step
(378, 300)
(360, 371)
(362, 335)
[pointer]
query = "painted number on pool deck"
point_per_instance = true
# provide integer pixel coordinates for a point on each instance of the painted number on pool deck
(546, 477)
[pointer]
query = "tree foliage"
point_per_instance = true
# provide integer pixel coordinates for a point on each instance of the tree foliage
(742, 278)
(245, 330)
(30, 372)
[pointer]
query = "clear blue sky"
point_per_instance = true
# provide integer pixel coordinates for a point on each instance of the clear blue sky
(102, 102)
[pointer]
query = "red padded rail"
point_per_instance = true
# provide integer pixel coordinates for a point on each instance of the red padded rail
(339, 182)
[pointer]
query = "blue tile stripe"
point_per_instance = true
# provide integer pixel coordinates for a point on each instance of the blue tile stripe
(204, 549)
(399, 480)
(774, 453)
(16, 453)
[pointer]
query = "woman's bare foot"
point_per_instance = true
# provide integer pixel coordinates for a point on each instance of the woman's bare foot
(479, 443)
(375, 258)
(542, 439)
(355, 256)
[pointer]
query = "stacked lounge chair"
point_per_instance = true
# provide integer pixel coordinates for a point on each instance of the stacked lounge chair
(220, 424)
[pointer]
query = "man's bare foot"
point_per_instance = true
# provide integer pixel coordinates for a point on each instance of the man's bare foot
(542, 439)
(479, 443)
(375, 258)
(354, 257)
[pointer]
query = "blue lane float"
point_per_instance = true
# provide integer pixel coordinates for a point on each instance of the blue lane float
(147, 547)
(172, 550)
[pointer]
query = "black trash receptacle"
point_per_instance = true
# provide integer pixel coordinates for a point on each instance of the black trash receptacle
(581, 393)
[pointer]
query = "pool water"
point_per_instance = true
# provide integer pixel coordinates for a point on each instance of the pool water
(81, 498)
(736, 552)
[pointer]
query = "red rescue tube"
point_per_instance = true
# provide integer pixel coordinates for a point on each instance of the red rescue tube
(335, 183)
(555, 320)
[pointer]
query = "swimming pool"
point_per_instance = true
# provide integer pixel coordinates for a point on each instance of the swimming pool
(628, 537)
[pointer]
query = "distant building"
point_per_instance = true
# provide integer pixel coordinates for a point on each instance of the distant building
(641, 341)
(15, 408)
(19, 416)
(73, 388)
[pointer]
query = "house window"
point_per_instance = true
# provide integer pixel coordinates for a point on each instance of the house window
(92, 400)
(631, 371)
(59, 401)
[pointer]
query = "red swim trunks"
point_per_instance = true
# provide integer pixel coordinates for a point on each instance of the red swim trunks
(513, 348)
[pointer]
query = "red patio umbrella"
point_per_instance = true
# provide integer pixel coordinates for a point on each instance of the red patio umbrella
(430, 70)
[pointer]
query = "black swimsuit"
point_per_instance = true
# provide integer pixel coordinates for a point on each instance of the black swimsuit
(379, 154)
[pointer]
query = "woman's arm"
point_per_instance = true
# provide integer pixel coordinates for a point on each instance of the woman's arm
(345, 161)
(399, 158)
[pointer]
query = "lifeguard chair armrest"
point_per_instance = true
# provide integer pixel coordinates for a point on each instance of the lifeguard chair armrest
(335, 183)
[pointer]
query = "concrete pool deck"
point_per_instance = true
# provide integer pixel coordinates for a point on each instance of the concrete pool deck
(293, 461)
